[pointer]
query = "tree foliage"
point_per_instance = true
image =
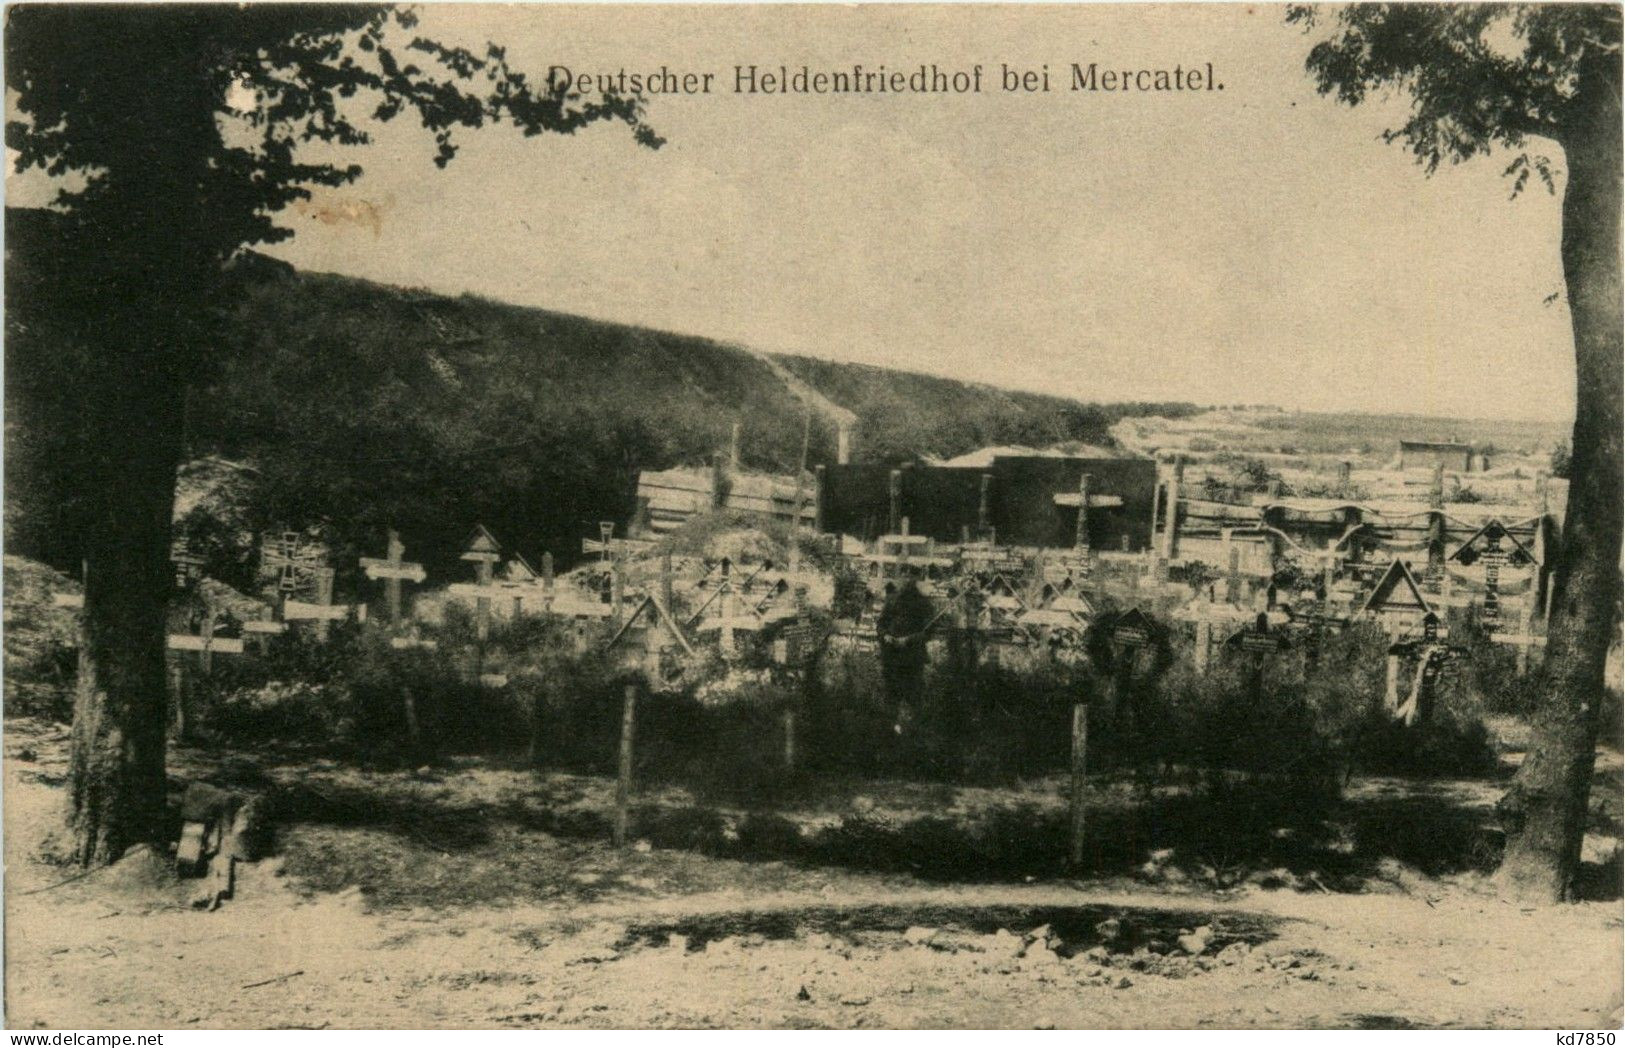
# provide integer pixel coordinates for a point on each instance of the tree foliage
(1479, 75)
(177, 133)
(1483, 77)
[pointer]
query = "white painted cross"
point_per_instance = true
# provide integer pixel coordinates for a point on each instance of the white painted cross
(206, 645)
(393, 571)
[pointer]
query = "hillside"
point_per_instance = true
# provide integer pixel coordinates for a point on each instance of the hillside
(359, 405)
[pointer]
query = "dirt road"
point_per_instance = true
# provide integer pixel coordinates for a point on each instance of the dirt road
(668, 938)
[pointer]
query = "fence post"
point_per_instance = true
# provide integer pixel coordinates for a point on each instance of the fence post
(1080, 752)
(623, 783)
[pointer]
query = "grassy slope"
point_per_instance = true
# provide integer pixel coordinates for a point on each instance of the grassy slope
(363, 405)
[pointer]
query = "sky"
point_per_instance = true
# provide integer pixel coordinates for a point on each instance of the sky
(1255, 244)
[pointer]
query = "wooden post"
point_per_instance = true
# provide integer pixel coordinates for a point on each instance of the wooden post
(895, 495)
(392, 586)
(205, 658)
(324, 597)
(1170, 513)
(617, 592)
(820, 478)
(1392, 688)
(1531, 601)
(178, 681)
(1345, 475)
(984, 509)
(482, 605)
(733, 449)
(1080, 541)
(1158, 493)
(623, 782)
(843, 444)
(1080, 755)
(725, 608)
(1204, 639)
(1232, 582)
(665, 580)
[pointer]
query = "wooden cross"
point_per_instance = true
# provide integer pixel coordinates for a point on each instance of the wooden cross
(258, 630)
(484, 551)
(795, 650)
(393, 570)
(1493, 558)
(1085, 500)
(610, 548)
(1259, 641)
(1433, 658)
(206, 645)
(322, 610)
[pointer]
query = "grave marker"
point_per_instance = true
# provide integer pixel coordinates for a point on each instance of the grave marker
(188, 565)
(295, 562)
(393, 570)
(642, 635)
(796, 649)
(609, 548)
(205, 644)
(1434, 659)
(483, 550)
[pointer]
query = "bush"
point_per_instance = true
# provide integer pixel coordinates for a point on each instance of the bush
(1443, 747)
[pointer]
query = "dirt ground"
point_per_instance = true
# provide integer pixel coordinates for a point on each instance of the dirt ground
(454, 921)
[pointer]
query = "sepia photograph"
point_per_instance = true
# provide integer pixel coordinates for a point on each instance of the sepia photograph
(700, 516)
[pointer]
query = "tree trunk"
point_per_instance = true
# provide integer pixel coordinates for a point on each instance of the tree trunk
(1545, 810)
(116, 770)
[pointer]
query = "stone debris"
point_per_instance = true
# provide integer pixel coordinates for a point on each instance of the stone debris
(918, 935)
(1195, 942)
(1004, 945)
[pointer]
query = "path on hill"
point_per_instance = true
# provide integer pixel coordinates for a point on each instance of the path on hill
(804, 392)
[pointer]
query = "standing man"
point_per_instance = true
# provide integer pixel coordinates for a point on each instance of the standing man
(901, 628)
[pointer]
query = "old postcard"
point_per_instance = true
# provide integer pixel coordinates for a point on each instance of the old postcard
(690, 516)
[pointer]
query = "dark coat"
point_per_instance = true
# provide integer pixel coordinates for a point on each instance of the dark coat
(902, 624)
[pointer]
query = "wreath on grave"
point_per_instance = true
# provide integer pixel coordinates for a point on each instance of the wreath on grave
(1105, 647)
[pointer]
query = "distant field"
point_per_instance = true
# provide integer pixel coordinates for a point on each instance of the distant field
(1379, 435)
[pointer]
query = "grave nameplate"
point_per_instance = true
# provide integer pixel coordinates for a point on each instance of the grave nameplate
(194, 642)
